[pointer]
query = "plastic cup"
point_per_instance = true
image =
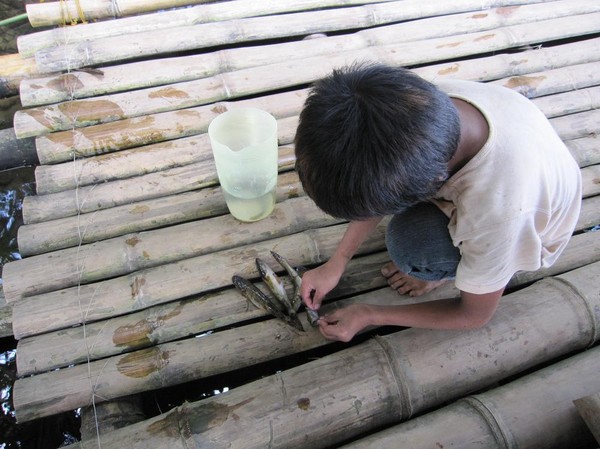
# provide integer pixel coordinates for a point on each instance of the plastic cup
(244, 145)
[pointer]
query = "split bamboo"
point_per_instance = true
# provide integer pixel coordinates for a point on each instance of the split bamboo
(180, 179)
(78, 84)
(589, 409)
(339, 395)
(111, 137)
(159, 285)
(78, 113)
(535, 412)
(138, 251)
(152, 43)
(167, 322)
(169, 20)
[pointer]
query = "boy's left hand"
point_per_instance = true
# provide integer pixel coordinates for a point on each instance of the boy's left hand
(343, 324)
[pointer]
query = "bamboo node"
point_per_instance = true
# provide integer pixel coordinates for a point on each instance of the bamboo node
(406, 409)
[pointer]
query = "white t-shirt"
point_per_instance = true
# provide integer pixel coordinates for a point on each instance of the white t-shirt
(514, 205)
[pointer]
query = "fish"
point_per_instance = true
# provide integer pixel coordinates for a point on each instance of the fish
(275, 285)
(256, 297)
(294, 276)
(313, 317)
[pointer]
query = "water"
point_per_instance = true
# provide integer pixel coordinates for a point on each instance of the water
(54, 431)
(249, 207)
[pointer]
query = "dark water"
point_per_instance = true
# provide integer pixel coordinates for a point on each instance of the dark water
(44, 433)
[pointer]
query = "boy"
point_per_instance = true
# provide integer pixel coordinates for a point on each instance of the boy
(479, 185)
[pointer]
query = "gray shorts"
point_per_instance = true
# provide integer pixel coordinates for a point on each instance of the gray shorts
(419, 244)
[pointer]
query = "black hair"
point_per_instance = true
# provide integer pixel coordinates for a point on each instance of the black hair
(373, 140)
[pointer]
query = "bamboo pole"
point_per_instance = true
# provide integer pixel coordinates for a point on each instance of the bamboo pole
(158, 285)
(590, 177)
(129, 133)
(571, 102)
(14, 69)
(109, 416)
(171, 19)
(179, 152)
(589, 409)
(534, 411)
(574, 126)
(143, 74)
(585, 150)
(139, 216)
(554, 81)
(99, 225)
(78, 113)
(138, 251)
(170, 321)
(111, 137)
(180, 179)
(113, 257)
(128, 163)
(153, 185)
(151, 43)
(55, 13)
(344, 390)
(146, 159)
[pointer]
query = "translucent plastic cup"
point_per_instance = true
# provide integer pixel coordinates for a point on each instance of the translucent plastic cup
(244, 144)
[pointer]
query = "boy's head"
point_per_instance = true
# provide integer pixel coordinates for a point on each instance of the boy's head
(373, 140)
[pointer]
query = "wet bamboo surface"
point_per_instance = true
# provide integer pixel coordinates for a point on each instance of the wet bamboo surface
(125, 285)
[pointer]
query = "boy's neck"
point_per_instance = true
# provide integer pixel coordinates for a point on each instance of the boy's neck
(474, 133)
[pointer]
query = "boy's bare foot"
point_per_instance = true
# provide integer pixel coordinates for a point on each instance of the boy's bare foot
(405, 284)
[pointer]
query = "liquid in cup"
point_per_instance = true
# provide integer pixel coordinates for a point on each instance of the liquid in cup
(244, 144)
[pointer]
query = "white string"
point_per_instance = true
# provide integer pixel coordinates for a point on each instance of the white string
(80, 265)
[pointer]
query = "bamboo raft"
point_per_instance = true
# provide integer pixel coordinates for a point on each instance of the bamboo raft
(125, 285)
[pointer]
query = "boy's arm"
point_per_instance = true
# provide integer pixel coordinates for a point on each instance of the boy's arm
(469, 312)
(318, 282)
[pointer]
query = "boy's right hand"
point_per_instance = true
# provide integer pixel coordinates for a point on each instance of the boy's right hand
(316, 283)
